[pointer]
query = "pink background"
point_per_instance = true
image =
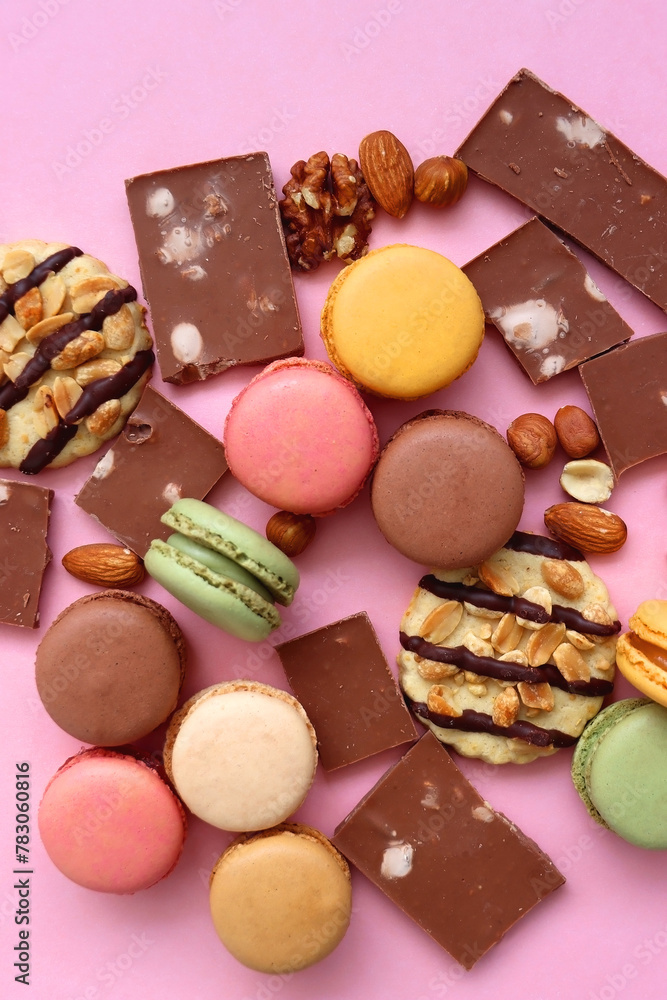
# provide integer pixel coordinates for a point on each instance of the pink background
(178, 82)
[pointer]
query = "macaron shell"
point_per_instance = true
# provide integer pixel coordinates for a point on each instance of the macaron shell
(237, 541)
(109, 668)
(281, 901)
(223, 602)
(402, 322)
(447, 490)
(242, 755)
(221, 565)
(644, 665)
(110, 823)
(627, 776)
(300, 437)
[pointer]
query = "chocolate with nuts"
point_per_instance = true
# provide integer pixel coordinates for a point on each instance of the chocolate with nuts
(547, 307)
(427, 839)
(540, 147)
(214, 266)
(166, 452)
(24, 553)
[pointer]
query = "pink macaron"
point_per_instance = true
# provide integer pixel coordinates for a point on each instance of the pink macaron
(110, 822)
(300, 437)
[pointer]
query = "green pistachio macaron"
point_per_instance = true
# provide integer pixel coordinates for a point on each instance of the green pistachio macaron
(620, 771)
(223, 570)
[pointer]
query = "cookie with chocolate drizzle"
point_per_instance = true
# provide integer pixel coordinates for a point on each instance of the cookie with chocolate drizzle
(75, 354)
(507, 661)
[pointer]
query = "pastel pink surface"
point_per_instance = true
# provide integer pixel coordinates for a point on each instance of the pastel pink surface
(300, 437)
(95, 96)
(109, 822)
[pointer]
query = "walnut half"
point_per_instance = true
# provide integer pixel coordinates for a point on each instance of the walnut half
(327, 211)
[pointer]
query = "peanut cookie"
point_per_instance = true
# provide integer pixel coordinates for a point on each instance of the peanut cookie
(75, 354)
(508, 660)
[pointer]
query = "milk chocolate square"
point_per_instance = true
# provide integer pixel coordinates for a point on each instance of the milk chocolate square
(537, 145)
(160, 456)
(214, 266)
(547, 307)
(24, 553)
(341, 677)
(627, 389)
(463, 872)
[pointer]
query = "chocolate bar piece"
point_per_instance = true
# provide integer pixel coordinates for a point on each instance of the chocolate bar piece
(538, 146)
(160, 456)
(341, 677)
(627, 389)
(463, 872)
(547, 307)
(214, 266)
(24, 553)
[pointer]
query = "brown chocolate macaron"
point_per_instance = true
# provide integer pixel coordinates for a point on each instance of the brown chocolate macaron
(110, 667)
(447, 490)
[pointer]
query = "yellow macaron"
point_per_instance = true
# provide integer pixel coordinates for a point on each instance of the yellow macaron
(641, 654)
(402, 322)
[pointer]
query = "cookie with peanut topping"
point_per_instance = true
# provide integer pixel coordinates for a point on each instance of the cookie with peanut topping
(75, 354)
(507, 661)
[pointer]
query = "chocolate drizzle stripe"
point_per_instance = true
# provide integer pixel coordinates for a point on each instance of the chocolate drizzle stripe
(540, 545)
(479, 722)
(56, 262)
(487, 666)
(516, 605)
(45, 450)
(112, 387)
(56, 342)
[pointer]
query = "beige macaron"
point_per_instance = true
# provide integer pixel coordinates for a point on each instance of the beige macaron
(281, 899)
(242, 755)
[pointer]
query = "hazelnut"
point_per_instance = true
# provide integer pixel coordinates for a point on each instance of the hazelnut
(291, 533)
(441, 181)
(587, 480)
(576, 431)
(532, 438)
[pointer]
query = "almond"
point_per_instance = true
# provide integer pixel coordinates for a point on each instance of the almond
(388, 171)
(587, 527)
(104, 565)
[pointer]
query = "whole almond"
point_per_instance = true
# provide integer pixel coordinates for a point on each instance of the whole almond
(587, 527)
(388, 171)
(104, 565)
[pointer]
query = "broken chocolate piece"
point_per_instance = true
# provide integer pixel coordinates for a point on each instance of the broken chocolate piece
(547, 307)
(161, 456)
(463, 872)
(341, 677)
(538, 146)
(627, 389)
(24, 553)
(214, 266)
